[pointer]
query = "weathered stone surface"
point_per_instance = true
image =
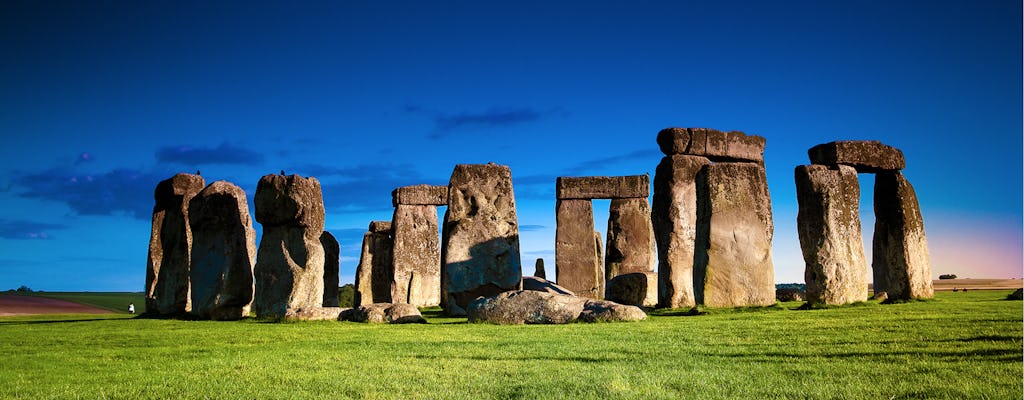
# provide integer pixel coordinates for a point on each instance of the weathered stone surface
(900, 258)
(733, 252)
(674, 217)
(630, 239)
(223, 252)
(602, 187)
(635, 289)
(711, 143)
(880, 297)
(332, 265)
(608, 311)
(416, 258)
(864, 155)
(577, 259)
(170, 244)
(543, 285)
(828, 224)
(790, 295)
(374, 273)
(315, 313)
(538, 269)
(380, 313)
(526, 307)
(290, 263)
(480, 247)
(427, 195)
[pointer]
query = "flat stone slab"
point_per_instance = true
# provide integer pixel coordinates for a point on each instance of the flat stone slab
(864, 155)
(532, 307)
(384, 313)
(711, 143)
(380, 227)
(603, 187)
(426, 195)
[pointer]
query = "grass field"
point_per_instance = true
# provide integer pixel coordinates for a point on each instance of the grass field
(958, 346)
(112, 301)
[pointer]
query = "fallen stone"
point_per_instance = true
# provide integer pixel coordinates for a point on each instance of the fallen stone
(480, 246)
(223, 252)
(828, 224)
(607, 311)
(578, 264)
(1016, 295)
(332, 264)
(416, 259)
(526, 307)
(900, 259)
(538, 268)
(630, 240)
(390, 313)
(543, 285)
(426, 195)
(733, 259)
(373, 273)
(602, 187)
(711, 143)
(170, 245)
(635, 289)
(290, 262)
(674, 218)
(315, 313)
(864, 155)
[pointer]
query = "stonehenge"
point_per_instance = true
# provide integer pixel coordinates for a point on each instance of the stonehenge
(416, 271)
(223, 253)
(828, 222)
(170, 246)
(480, 244)
(373, 274)
(290, 261)
(332, 254)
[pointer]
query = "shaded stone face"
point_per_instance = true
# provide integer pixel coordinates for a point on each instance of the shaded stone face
(170, 244)
(538, 270)
(900, 258)
(223, 253)
(713, 144)
(577, 257)
(480, 249)
(635, 289)
(630, 239)
(733, 253)
(290, 264)
(420, 195)
(674, 218)
(332, 263)
(417, 256)
(602, 187)
(828, 224)
(373, 274)
(864, 155)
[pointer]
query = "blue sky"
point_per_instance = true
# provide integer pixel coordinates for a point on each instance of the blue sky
(101, 100)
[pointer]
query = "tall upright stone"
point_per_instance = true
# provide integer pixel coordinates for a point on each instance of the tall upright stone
(170, 244)
(674, 217)
(290, 264)
(373, 274)
(332, 266)
(416, 272)
(630, 238)
(578, 264)
(480, 248)
(900, 259)
(538, 269)
(733, 253)
(828, 224)
(223, 252)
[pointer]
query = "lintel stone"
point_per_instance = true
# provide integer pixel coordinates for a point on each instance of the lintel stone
(380, 226)
(603, 187)
(864, 155)
(713, 144)
(420, 195)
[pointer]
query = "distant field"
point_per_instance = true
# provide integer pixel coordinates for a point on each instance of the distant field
(958, 346)
(977, 284)
(111, 301)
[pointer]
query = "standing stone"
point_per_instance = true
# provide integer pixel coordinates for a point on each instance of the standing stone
(332, 265)
(480, 250)
(538, 269)
(900, 259)
(170, 244)
(290, 264)
(373, 274)
(830, 236)
(578, 264)
(733, 259)
(630, 239)
(674, 217)
(223, 252)
(599, 262)
(416, 275)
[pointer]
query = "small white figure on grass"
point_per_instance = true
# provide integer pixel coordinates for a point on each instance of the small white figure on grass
(131, 308)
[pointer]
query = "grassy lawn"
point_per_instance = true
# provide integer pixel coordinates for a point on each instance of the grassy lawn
(959, 346)
(112, 301)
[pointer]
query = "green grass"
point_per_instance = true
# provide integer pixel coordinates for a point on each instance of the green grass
(958, 346)
(112, 301)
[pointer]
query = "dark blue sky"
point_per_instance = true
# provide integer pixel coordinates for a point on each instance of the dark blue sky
(101, 100)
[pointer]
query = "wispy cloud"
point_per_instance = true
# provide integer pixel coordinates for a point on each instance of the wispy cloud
(364, 187)
(83, 158)
(121, 191)
(531, 228)
(448, 123)
(22, 229)
(590, 165)
(225, 153)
